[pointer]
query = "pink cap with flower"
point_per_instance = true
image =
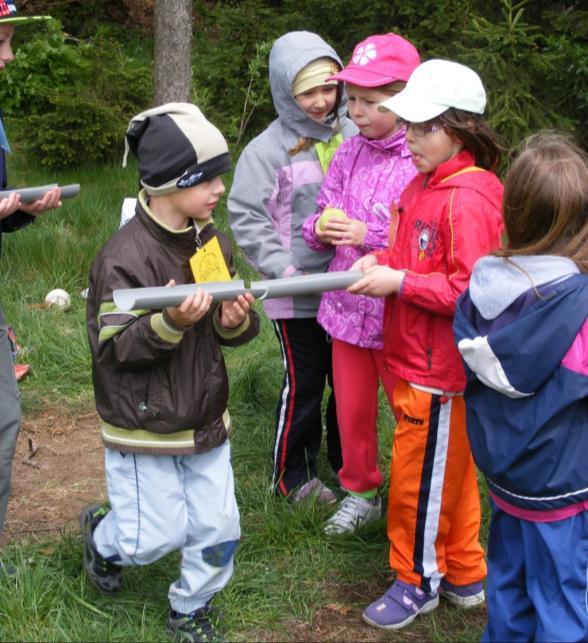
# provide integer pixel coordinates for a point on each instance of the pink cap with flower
(380, 60)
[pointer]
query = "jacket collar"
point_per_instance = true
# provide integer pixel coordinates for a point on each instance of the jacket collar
(189, 238)
(454, 165)
(395, 144)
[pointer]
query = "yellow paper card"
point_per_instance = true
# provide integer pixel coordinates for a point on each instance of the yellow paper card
(208, 263)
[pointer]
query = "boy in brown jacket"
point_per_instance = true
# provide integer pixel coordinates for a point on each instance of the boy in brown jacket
(159, 376)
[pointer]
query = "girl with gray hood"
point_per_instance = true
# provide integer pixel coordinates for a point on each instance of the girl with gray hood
(276, 181)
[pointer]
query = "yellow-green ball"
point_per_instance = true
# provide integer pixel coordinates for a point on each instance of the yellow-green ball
(328, 214)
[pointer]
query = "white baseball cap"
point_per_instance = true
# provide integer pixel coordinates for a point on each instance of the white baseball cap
(434, 87)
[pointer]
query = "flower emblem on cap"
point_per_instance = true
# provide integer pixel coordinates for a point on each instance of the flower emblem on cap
(364, 54)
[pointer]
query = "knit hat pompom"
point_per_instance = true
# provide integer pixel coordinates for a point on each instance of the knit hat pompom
(177, 148)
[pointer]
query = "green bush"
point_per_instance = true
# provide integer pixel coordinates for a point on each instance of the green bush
(73, 99)
(511, 57)
(567, 82)
(532, 57)
(73, 95)
(229, 64)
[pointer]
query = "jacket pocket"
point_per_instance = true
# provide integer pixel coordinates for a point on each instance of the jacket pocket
(145, 398)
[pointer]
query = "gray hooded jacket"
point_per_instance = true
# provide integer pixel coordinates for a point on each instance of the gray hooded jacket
(273, 192)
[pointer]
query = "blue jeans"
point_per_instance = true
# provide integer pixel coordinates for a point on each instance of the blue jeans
(537, 579)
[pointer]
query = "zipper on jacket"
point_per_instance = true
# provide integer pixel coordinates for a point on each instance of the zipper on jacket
(197, 239)
(429, 357)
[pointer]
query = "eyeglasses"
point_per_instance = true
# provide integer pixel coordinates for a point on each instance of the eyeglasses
(422, 129)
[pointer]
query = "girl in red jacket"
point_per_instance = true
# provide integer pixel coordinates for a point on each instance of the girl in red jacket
(449, 216)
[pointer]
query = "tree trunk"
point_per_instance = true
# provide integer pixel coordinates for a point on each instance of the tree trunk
(173, 51)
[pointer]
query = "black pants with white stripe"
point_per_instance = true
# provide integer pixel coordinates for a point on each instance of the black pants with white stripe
(306, 352)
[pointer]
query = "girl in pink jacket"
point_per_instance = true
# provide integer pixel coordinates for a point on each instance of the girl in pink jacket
(364, 182)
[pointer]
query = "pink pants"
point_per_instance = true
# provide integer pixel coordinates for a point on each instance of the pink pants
(357, 373)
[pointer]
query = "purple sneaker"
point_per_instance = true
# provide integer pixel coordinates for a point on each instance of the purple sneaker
(465, 596)
(399, 606)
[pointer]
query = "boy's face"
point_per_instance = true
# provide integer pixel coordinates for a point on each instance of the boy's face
(6, 55)
(199, 201)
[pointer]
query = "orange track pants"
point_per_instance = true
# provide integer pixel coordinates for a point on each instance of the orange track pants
(434, 504)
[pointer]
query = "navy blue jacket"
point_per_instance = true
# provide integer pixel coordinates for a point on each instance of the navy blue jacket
(522, 330)
(18, 219)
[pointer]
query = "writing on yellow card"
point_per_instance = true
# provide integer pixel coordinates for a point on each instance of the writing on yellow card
(208, 263)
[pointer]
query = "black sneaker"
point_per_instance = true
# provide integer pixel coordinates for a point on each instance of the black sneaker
(105, 575)
(197, 627)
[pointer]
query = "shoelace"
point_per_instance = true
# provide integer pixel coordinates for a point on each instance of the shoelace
(109, 568)
(350, 511)
(200, 622)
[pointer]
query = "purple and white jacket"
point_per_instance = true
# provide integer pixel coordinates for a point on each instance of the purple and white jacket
(365, 179)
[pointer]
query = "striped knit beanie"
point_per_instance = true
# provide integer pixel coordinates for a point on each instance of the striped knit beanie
(176, 148)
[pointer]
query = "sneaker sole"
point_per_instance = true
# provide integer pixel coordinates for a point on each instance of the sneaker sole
(177, 635)
(465, 602)
(426, 609)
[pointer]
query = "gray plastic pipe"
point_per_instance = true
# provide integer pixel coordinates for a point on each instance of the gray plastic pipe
(159, 297)
(30, 195)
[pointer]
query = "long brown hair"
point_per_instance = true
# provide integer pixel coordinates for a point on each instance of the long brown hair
(475, 135)
(546, 200)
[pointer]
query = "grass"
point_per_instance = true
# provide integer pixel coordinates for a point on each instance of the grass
(290, 582)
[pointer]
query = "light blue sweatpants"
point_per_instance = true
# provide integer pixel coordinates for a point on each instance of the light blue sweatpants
(164, 503)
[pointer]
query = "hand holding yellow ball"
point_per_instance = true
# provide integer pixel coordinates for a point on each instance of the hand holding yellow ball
(328, 214)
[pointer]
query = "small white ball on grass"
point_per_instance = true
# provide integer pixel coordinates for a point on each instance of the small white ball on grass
(58, 298)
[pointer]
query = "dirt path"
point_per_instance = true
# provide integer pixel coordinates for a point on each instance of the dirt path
(50, 488)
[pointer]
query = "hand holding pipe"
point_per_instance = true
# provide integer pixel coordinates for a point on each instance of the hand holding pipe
(30, 195)
(159, 297)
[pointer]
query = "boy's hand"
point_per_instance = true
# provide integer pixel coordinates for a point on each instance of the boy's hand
(192, 309)
(379, 281)
(10, 205)
(49, 201)
(233, 313)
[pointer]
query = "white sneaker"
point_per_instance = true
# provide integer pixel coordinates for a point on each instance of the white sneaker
(353, 513)
(314, 489)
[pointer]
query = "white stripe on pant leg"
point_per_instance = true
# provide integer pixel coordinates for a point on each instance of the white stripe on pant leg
(283, 406)
(430, 568)
(213, 529)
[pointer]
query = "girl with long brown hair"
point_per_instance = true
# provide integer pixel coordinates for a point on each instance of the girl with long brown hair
(522, 329)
